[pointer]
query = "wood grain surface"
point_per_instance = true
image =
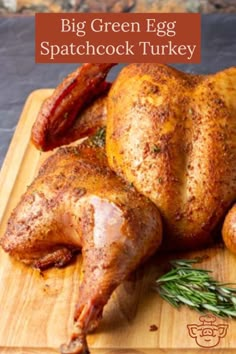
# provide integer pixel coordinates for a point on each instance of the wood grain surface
(36, 310)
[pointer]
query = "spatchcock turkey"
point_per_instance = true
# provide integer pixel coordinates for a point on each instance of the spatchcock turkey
(158, 166)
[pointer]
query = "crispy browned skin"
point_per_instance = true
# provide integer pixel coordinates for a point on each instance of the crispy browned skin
(77, 202)
(88, 122)
(173, 135)
(59, 111)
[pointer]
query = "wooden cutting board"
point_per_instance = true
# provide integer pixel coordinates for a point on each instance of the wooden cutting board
(36, 310)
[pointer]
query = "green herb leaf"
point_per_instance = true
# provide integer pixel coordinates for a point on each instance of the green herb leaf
(99, 138)
(186, 285)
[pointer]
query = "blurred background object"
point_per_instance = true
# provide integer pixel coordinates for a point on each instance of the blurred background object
(32, 6)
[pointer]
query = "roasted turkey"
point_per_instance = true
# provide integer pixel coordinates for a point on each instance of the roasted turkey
(77, 202)
(171, 134)
(170, 147)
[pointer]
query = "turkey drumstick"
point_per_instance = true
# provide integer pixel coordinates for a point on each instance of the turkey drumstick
(77, 202)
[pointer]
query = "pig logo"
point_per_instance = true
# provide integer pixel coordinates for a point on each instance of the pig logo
(207, 334)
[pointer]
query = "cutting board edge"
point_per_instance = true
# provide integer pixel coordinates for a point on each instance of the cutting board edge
(15, 153)
(34, 350)
(11, 149)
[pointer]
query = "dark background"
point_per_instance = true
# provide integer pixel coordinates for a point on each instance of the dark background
(19, 75)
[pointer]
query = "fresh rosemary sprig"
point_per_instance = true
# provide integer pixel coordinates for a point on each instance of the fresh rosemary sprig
(185, 285)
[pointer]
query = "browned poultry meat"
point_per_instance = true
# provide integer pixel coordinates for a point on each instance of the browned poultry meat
(59, 112)
(76, 202)
(173, 135)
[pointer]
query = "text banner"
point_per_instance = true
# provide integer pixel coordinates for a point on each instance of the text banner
(119, 38)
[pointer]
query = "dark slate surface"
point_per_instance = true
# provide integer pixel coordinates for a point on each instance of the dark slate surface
(19, 75)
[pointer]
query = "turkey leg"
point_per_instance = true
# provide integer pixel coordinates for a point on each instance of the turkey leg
(77, 202)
